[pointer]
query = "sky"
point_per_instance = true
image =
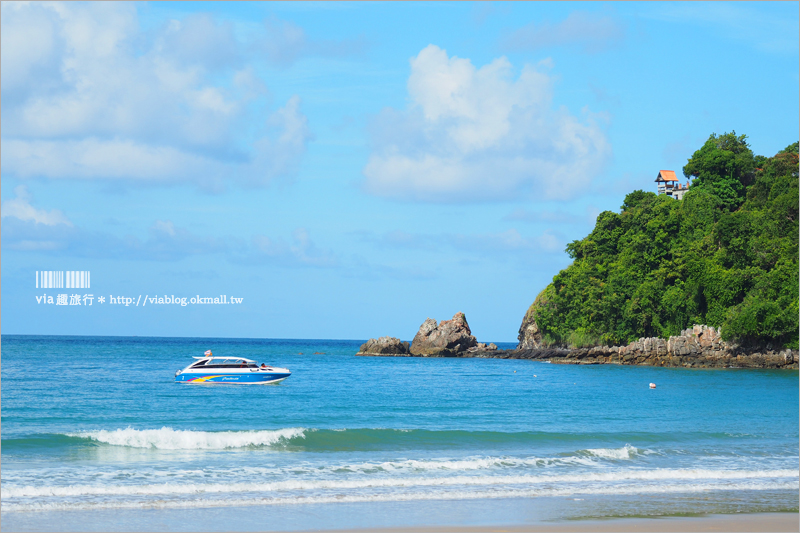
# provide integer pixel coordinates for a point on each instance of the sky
(350, 169)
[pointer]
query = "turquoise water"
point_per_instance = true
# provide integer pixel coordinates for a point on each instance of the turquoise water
(98, 424)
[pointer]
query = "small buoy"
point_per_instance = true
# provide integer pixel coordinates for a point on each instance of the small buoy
(652, 385)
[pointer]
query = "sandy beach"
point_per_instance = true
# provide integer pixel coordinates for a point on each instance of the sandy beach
(417, 517)
(762, 522)
(147, 521)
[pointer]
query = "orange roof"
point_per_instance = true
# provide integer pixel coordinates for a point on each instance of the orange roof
(666, 175)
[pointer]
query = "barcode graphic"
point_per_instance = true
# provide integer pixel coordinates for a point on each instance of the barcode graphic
(59, 279)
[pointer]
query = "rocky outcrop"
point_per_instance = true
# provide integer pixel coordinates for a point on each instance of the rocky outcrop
(384, 346)
(529, 336)
(481, 349)
(448, 338)
(697, 347)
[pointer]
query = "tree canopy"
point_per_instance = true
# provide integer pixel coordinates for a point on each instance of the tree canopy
(726, 255)
(724, 166)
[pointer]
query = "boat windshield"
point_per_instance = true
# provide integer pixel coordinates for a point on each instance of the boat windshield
(229, 363)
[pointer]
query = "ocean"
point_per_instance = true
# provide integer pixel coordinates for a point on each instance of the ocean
(96, 435)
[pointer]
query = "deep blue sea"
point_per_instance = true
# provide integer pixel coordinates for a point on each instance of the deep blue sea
(98, 424)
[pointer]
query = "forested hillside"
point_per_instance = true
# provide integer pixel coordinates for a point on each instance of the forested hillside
(726, 256)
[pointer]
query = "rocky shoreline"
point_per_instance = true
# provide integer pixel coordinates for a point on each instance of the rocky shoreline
(697, 347)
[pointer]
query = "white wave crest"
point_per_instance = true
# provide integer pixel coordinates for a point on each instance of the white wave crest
(178, 439)
(626, 452)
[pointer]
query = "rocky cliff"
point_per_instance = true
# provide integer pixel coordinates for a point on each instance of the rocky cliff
(698, 347)
(529, 335)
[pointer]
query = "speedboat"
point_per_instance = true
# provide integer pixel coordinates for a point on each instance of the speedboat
(236, 370)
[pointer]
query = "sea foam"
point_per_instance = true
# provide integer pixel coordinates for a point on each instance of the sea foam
(624, 477)
(459, 494)
(178, 439)
(626, 452)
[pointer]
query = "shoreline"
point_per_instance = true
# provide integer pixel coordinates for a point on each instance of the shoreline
(225, 519)
(749, 510)
(756, 522)
(603, 355)
(700, 346)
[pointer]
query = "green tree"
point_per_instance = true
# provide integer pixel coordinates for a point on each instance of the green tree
(725, 166)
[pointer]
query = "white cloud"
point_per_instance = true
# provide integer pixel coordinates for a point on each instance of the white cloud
(127, 159)
(588, 31)
(20, 208)
(26, 228)
(199, 40)
(88, 94)
(164, 242)
(479, 135)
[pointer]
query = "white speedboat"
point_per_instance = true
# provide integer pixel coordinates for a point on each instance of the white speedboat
(236, 370)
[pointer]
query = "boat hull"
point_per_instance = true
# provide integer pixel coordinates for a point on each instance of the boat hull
(254, 378)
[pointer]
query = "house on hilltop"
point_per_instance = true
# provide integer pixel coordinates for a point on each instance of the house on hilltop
(668, 184)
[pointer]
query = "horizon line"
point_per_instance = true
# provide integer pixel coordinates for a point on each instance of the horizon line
(187, 337)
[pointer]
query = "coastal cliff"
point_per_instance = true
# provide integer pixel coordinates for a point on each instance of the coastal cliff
(697, 347)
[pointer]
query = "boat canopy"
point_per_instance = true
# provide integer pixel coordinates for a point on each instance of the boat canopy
(226, 359)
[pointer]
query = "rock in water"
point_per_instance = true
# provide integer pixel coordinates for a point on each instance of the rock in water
(384, 346)
(450, 338)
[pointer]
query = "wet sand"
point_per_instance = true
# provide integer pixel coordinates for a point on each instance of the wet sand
(764, 522)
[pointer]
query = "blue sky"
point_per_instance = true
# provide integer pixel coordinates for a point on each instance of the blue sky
(351, 169)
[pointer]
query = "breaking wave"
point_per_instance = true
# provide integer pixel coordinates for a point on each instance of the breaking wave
(345, 439)
(626, 452)
(179, 439)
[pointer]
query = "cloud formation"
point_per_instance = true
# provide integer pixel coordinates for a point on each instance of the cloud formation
(30, 229)
(589, 32)
(478, 134)
(164, 241)
(21, 209)
(87, 94)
